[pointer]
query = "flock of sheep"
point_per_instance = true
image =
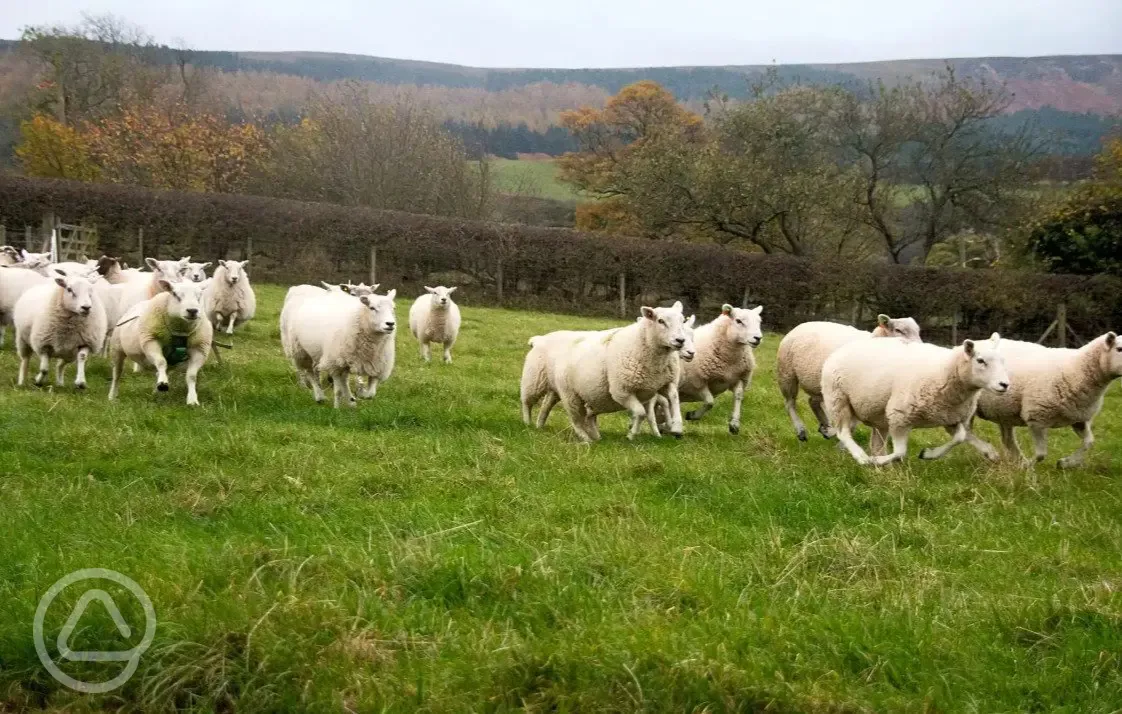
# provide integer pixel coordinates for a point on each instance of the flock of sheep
(889, 379)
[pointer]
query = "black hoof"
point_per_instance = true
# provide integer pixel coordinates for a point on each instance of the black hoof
(692, 416)
(677, 434)
(80, 386)
(923, 454)
(801, 435)
(734, 429)
(162, 387)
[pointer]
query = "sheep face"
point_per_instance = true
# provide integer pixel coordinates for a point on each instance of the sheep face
(196, 272)
(986, 365)
(745, 326)
(8, 255)
(905, 328)
(688, 350)
(235, 270)
(1111, 350)
(39, 262)
(108, 266)
(441, 296)
(665, 325)
(381, 311)
(171, 270)
(186, 301)
(77, 293)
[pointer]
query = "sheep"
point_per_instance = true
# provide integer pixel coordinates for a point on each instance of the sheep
(341, 336)
(896, 386)
(64, 319)
(537, 378)
(435, 318)
(143, 286)
(15, 280)
(230, 297)
(8, 255)
(1053, 388)
(196, 272)
(357, 290)
(75, 267)
(621, 369)
(163, 331)
(804, 350)
(725, 360)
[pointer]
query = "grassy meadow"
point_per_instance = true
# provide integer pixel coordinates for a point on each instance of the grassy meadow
(428, 552)
(533, 176)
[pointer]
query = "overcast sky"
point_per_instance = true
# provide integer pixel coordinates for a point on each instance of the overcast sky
(613, 33)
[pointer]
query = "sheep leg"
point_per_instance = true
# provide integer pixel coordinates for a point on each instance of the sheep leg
(1039, 443)
(737, 401)
(155, 355)
(195, 361)
(60, 376)
(937, 452)
(845, 438)
(591, 426)
(1083, 429)
(447, 353)
(233, 316)
(638, 413)
(24, 351)
(707, 398)
(3, 334)
(899, 436)
(342, 384)
(673, 406)
(117, 360)
(547, 405)
(876, 442)
(1009, 441)
(80, 377)
(824, 427)
(44, 367)
(311, 379)
(796, 421)
(370, 390)
(426, 353)
(577, 416)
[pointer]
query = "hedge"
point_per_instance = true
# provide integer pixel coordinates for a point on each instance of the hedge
(552, 268)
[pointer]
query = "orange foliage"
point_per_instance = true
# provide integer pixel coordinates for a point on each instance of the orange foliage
(50, 149)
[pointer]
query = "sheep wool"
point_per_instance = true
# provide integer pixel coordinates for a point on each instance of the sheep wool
(435, 318)
(725, 359)
(230, 297)
(64, 319)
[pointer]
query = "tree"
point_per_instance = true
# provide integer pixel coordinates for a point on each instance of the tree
(931, 164)
(50, 149)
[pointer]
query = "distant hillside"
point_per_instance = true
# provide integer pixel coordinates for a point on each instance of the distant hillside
(1078, 98)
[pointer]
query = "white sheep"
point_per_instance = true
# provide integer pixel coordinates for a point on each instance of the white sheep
(1053, 388)
(435, 318)
(896, 386)
(64, 319)
(9, 255)
(725, 360)
(15, 280)
(230, 297)
(355, 289)
(537, 371)
(196, 272)
(804, 350)
(163, 331)
(623, 369)
(340, 336)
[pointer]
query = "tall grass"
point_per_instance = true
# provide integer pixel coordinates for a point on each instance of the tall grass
(428, 552)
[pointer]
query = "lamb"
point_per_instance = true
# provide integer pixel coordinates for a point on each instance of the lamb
(435, 318)
(163, 331)
(342, 336)
(804, 350)
(196, 272)
(64, 319)
(1053, 388)
(725, 360)
(622, 369)
(230, 297)
(15, 280)
(896, 386)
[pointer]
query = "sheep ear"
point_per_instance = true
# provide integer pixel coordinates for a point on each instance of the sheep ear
(726, 309)
(647, 312)
(152, 263)
(391, 294)
(185, 260)
(205, 265)
(429, 290)
(995, 339)
(758, 309)
(326, 285)
(25, 255)
(244, 262)
(60, 271)
(365, 300)
(1111, 340)
(165, 285)
(691, 320)
(968, 348)
(677, 306)
(452, 289)
(374, 287)
(61, 282)
(883, 320)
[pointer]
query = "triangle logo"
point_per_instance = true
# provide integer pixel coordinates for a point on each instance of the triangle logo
(72, 621)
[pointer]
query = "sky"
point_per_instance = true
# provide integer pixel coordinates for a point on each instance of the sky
(612, 33)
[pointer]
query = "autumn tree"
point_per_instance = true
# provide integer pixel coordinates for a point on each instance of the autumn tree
(50, 149)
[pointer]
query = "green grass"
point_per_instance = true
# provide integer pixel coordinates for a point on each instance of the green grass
(539, 177)
(428, 552)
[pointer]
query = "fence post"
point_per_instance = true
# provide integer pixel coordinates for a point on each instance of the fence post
(3, 235)
(499, 278)
(1061, 323)
(27, 238)
(140, 244)
(623, 295)
(954, 328)
(48, 224)
(248, 247)
(373, 265)
(744, 299)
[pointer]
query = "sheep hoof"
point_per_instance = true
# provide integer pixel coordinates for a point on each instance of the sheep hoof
(79, 385)
(1066, 463)
(693, 416)
(676, 434)
(923, 454)
(734, 429)
(826, 432)
(801, 433)
(162, 387)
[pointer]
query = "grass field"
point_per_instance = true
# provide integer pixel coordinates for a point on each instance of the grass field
(427, 552)
(537, 175)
